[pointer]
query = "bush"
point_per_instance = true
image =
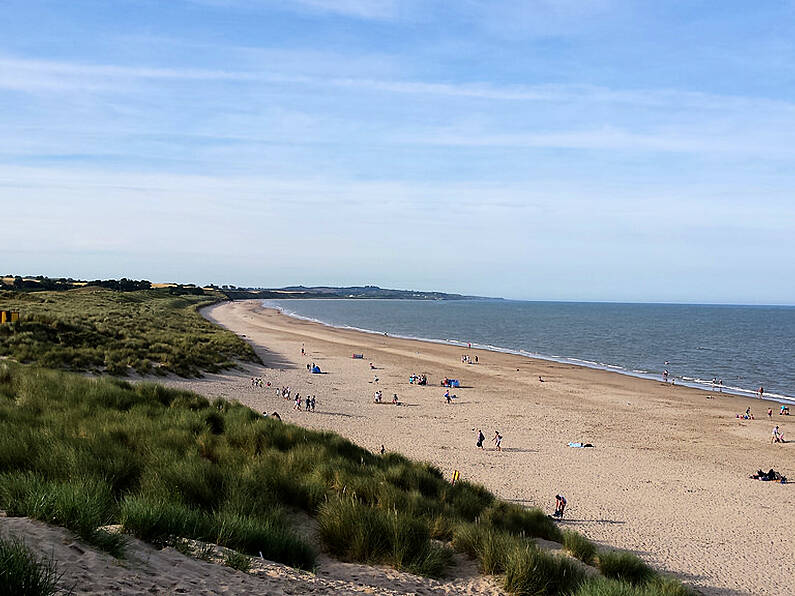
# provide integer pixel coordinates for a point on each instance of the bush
(489, 546)
(579, 546)
(625, 566)
(22, 572)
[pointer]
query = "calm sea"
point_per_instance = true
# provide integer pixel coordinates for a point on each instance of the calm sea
(745, 346)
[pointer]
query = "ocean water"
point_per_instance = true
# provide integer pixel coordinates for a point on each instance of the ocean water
(745, 346)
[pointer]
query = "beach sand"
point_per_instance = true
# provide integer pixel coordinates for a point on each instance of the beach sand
(667, 478)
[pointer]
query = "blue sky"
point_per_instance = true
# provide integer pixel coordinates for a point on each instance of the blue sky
(570, 149)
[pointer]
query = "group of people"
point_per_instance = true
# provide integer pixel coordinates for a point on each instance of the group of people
(778, 436)
(416, 379)
(258, 382)
(467, 359)
(309, 403)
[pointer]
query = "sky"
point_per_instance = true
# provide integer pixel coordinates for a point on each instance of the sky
(536, 149)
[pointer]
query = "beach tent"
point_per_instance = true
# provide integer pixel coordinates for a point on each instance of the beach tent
(358, 356)
(316, 370)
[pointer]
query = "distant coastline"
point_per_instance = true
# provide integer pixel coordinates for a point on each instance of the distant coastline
(345, 292)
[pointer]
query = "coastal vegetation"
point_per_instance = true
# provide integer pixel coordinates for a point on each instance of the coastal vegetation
(24, 572)
(168, 465)
(119, 329)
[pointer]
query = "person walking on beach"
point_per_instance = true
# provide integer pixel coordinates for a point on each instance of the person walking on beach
(481, 438)
(761, 391)
(447, 396)
(313, 403)
(497, 440)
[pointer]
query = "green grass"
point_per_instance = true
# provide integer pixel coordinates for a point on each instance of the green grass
(579, 546)
(101, 330)
(601, 586)
(626, 567)
(23, 572)
(170, 465)
(238, 561)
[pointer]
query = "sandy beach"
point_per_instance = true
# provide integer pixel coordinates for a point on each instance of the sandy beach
(667, 477)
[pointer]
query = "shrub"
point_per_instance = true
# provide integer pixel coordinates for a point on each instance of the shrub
(625, 566)
(489, 546)
(579, 546)
(22, 572)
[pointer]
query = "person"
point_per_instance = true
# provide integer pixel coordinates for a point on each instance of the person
(770, 412)
(303, 352)
(375, 379)
(383, 450)
(395, 399)
(313, 403)
(447, 396)
(748, 413)
(784, 411)
(540, 380)
(560, 506)
(720, 385)
(497, 440)
(476, 359)
(481, 438)
(372, 366)
(308, 403)
(778, 437)
(761, 391)
(665, 376)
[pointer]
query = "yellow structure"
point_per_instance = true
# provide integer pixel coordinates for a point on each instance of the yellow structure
(9, 316)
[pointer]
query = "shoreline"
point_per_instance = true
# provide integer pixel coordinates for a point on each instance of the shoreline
(667, 479)
(269, 304)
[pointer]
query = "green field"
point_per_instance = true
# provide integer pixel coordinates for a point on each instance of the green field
(102, 330)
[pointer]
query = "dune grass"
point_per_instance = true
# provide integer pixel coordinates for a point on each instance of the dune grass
(579, 546)
(97, 329)
(23, 572)
(170, 465)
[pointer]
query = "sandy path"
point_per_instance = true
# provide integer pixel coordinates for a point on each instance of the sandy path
(667, 478)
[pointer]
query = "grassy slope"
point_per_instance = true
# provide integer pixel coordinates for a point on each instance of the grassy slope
(84, 453)
(95, 329)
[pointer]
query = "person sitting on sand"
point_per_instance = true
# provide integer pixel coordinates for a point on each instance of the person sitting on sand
(560, 506)
(497, 440)
(377, 397)
(784, 411)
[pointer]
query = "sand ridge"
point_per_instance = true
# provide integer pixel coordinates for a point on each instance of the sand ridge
(667, 478)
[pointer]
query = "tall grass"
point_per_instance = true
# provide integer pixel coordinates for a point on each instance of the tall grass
(625, 566)
(97, 329)
(529, 570)
(579, 546)
(601, 586)
(23, 572)
(170, 465)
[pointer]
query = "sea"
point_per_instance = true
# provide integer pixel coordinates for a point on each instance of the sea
(744, 346)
